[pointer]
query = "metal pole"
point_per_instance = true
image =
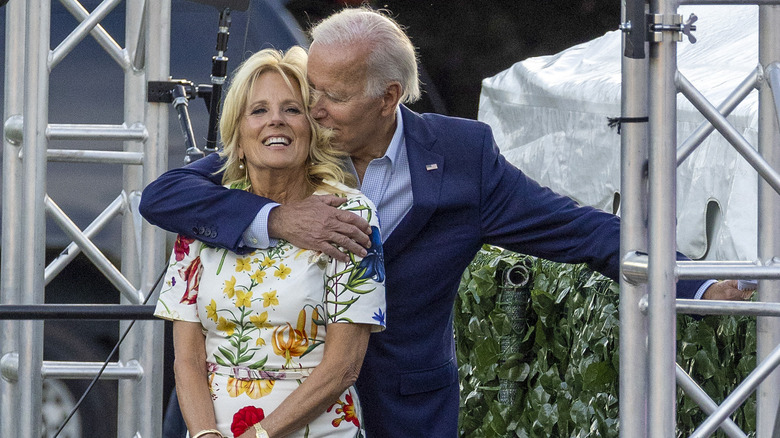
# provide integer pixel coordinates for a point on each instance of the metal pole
(694, 391)
(661, 220)
(633, 230)
(141, 402)
(726, 107)
(33, 236)
(10, 265)
(738, 396)
(768, 329)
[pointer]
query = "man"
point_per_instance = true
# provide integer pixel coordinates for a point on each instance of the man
(441, 189)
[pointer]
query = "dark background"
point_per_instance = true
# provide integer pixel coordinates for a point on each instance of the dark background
(462, 42)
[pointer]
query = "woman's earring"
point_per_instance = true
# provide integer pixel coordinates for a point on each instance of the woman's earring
(241, 166)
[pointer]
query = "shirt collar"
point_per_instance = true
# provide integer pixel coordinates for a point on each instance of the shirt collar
(398, 137)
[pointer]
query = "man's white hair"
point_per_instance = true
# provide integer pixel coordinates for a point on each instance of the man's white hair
(392, 56)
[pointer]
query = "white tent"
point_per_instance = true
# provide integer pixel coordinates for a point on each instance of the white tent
(549, 116)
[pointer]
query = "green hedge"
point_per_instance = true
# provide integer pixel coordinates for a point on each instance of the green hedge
(550, 367)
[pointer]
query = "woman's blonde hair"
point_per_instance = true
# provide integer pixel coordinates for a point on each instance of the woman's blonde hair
(323, 162)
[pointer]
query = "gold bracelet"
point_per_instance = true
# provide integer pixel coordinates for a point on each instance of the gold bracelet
(260, 432)
(206, 432)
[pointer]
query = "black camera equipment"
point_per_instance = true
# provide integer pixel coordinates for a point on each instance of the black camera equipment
(180, 91)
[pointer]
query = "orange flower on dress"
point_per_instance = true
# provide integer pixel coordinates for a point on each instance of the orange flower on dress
(254, 389)
(347, 410)
(291, 342)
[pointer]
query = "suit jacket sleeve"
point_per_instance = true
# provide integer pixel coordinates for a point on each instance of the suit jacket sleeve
(519, 214)
(192, 201)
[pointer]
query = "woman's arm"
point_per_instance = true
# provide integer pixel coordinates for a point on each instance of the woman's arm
(345, 347)
(189, 365)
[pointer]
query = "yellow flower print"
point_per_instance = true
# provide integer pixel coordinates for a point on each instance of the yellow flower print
(230, 286)
(260, 342)
(282, 271)
(269, 299)
(253, 388)
(243, 264)
(226, 326)
(258, 276)
(268, 262)
(260, 321)
(211, 311)
(243, 299)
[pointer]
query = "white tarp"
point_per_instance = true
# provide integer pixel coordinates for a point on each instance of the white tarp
(549, 116)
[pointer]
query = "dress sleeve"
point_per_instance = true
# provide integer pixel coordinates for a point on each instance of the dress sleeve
(355, 291)
(179, 296)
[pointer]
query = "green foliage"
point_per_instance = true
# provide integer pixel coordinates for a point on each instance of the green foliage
(548, 366)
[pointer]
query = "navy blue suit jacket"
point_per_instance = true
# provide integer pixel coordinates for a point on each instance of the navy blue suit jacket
(408, 385)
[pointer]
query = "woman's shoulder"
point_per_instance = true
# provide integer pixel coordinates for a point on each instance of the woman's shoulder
(340, 189)
(331, 187)
(356, 202)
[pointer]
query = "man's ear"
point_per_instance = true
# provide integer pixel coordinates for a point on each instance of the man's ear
(391, 98)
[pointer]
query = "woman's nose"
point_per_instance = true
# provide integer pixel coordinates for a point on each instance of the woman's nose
(277, 117)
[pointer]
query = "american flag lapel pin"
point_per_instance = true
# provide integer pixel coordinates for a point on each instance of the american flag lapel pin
(433, 166)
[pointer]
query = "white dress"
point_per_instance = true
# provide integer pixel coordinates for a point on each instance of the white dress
(265, 316)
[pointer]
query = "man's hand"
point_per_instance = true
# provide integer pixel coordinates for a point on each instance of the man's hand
(315, 223)
(726, 290)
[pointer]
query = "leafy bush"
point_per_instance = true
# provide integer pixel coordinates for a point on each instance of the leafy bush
(542, 359)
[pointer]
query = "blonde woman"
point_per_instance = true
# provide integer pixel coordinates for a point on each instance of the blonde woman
(269, 343)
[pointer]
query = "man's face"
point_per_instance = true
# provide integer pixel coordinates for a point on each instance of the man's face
(338, 77)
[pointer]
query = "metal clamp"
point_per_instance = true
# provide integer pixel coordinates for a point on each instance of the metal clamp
(660, 23)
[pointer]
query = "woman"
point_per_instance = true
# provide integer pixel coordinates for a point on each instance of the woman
(268, 344)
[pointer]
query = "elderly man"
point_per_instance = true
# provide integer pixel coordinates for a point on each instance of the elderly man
(442, 190)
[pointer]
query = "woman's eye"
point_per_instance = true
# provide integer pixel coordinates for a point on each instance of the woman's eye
(257, 111)
(293, 110)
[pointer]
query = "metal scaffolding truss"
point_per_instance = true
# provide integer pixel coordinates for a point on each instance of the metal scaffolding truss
(27, 138)
(649, 375)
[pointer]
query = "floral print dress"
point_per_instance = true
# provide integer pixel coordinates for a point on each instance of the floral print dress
(265, 316)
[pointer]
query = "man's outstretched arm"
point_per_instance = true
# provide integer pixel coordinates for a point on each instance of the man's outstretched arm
(192, 201)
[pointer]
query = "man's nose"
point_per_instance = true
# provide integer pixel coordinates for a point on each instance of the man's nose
(318, 110)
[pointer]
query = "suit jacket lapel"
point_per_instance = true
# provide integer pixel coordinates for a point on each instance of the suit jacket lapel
(426, 168)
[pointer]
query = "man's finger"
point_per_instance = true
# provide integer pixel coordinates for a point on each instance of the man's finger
(349, 244)
(334, 252)
(354, 227)
(332, 200)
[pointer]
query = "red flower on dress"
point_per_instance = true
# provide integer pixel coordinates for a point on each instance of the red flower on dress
(245, 418)
(182, 247)
(192, 276)
(348, 411)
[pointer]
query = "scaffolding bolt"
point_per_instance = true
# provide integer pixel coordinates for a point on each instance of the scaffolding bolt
(9, 367)
(13, 129)
(660, 23)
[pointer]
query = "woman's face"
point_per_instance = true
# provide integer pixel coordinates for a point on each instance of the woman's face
(274, 133)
